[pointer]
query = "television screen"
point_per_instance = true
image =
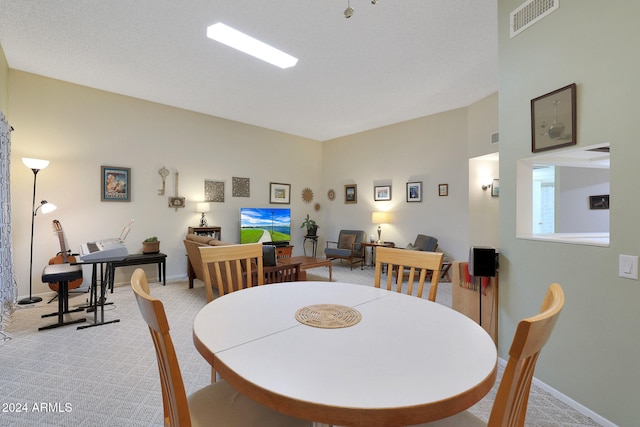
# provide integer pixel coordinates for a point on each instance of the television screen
(265, 225)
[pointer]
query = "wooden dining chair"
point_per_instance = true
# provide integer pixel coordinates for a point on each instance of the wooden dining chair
(416, 263)
(216, 404)
(510, 405)
(230, 267)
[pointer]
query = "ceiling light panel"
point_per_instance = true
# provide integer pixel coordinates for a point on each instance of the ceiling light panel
(233, 38)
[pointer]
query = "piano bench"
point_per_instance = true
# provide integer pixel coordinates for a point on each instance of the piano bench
(62, 274)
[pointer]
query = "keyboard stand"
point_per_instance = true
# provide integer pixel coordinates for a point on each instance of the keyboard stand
(96, 304)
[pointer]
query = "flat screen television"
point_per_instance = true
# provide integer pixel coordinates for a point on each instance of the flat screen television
(266, 225)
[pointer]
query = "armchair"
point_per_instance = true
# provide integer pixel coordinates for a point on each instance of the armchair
(423, 243)
(347, 247)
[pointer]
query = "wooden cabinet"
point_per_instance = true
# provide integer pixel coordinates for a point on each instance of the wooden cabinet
(284, 251)
(206, 231)
(473, 299)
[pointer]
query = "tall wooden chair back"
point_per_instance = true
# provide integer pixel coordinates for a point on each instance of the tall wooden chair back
(174, 397)
(416, 263)
(510, 405)
(228, 263)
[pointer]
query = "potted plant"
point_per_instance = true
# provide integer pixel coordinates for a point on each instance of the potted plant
(312, 226)
(151, 245)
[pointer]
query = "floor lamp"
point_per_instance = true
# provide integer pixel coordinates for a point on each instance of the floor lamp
(36, 165)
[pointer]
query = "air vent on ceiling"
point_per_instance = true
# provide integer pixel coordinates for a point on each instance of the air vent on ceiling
(529, 13)
(495, 138)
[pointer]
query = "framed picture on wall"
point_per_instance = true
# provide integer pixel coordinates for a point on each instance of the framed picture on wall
(495, 188)
(381, 192)
(414, 191)
(553, 119)
(351, 193)
(599, 202)
(280, 193)
(115, 184)
(443, 189)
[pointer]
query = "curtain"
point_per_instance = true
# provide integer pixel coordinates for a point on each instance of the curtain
(8, 290)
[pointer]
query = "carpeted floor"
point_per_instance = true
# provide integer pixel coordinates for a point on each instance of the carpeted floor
(107, 375)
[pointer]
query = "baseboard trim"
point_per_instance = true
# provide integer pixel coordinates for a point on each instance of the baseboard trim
(567, 400)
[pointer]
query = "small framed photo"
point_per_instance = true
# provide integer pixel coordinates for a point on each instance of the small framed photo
(553, 119)
(115, 184)
(280, 193)
(495, 188)
(599, 202)
(414, 191)
(443, 189)
(351, 193)
(381, 192)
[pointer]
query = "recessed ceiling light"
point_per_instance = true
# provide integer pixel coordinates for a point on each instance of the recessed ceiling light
(233, 38)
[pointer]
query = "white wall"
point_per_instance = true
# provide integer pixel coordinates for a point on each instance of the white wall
(592, 354)
(573, 188)
(79, 129)
(429, 149)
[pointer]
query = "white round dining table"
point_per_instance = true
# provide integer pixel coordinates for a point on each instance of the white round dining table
(406, 361)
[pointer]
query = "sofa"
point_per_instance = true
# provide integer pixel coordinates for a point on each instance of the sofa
(193, 242)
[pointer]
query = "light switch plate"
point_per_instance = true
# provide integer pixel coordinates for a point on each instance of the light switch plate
(628, 266)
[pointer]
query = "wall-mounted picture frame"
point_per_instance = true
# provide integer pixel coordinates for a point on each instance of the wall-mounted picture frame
(279, 193)
(351, 193)
(115, 184)
(414, 191)
(599, 202)
(553, 119)
(443, 190)
(495, 188)
(381, 193)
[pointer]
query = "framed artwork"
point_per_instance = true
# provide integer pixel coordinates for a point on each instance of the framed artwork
(351, 193)
(381, 192)
(414, 191)
(553, 119)
(495, 188)
(599, 202)
(115, 184)
(280, 193)
(443, 189)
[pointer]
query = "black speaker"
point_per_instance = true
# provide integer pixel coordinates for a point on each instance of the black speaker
(482, 261)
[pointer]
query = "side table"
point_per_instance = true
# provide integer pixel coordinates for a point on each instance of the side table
(373, 246)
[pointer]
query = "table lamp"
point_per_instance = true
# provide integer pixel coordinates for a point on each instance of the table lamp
(203, 207)
(36, 165)
(380, 218)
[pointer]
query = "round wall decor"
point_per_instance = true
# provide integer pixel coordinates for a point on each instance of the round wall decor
(331, 194)
(307, 195)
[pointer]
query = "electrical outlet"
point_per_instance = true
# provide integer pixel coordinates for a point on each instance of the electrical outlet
(628, 266)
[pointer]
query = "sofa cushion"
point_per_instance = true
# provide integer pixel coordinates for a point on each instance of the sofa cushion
(346, 241)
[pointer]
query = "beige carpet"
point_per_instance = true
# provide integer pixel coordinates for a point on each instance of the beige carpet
(107, 375)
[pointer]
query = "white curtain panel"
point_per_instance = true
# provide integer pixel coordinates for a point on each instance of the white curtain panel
(8, 291)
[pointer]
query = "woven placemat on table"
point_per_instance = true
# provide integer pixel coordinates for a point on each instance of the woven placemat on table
(328, 316)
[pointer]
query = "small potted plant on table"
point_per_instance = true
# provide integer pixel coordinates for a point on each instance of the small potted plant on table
(312, 226)
(151, 245)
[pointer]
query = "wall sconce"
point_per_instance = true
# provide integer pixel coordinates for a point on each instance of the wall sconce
(487, 186)
(202, 208)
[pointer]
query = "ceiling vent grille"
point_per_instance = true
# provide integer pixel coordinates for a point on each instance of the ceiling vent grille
(529, 13)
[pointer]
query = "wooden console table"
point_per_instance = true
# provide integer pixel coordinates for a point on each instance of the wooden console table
(139, 259)
(206, 231)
